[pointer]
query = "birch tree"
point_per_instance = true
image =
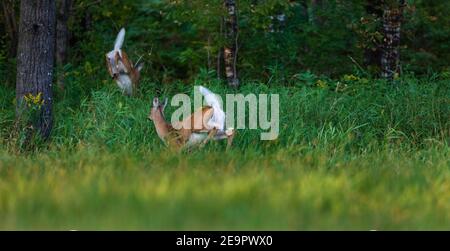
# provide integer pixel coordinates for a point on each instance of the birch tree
(392, 20)
(230, 50)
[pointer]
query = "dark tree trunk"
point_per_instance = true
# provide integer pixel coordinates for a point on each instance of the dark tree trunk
(374, 7)
(9, 15)
(392, 20)
(62, 36)
(35, 60)
(372, 55)
(230, 50)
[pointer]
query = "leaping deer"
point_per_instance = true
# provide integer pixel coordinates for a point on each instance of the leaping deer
(207, 123)
(121, 69)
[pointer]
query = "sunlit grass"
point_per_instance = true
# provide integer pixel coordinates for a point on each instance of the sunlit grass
(90, 189)
(367, 157)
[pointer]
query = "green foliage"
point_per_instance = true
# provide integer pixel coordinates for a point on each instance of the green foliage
(178, 38)
(3, 62)
(7, 65)
(353, 153)
(426, 36)
(416, 114)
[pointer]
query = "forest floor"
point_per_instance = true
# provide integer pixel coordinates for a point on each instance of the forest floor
(362, 158)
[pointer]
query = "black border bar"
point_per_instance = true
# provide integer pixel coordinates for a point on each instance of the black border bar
(147, 240)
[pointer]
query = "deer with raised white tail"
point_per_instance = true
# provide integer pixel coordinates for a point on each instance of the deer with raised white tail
(121, 69)
(207, 123)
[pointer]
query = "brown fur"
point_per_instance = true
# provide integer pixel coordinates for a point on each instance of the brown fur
(195, 123)
(130, 69)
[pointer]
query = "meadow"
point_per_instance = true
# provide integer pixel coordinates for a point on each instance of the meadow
(353, 153)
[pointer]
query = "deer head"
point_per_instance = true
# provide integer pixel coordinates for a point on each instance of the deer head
(157, 116)
(157, 110)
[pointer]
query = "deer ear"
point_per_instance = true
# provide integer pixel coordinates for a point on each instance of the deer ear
(165, 103)
(155, 102)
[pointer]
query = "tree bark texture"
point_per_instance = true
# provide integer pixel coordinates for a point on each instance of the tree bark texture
(35, 59)
(231, 47)
(10, 20)
(392, 20)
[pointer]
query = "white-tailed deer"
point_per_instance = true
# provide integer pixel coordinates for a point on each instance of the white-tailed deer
(121, 68)
(208, 123)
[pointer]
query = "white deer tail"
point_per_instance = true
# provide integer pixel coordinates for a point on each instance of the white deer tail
(218, 118)
(210, 97)
(119, 40)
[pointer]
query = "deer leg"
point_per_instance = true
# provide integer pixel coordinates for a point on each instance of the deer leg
(230, 140)
(211, 134)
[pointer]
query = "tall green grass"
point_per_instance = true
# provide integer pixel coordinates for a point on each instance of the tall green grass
(363, 115)
(352, 153)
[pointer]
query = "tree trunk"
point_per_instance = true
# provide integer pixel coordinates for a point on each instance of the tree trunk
(35, 60)
(231, 48)
(374, 7)
(372, 55)
(9, 15)
(62, 36)
(392, 19)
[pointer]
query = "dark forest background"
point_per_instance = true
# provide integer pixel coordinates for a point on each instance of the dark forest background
(277, 39)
